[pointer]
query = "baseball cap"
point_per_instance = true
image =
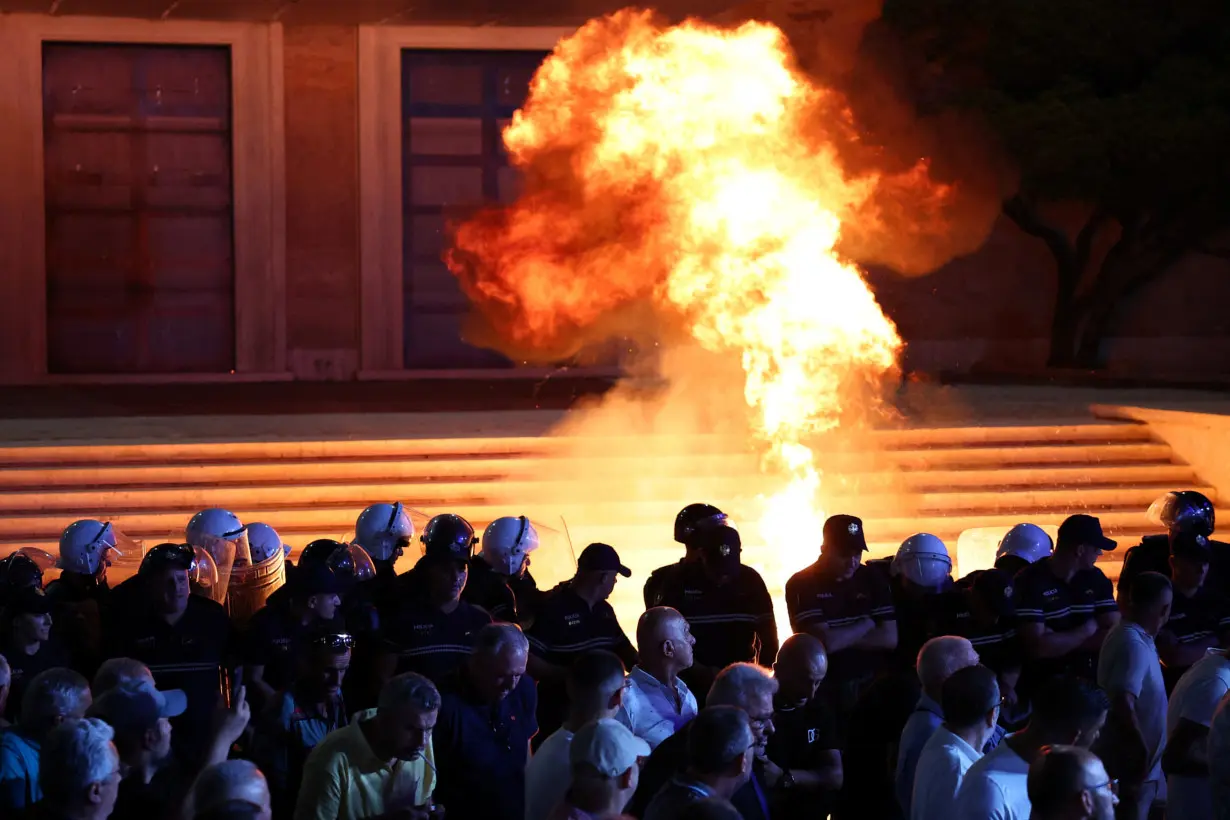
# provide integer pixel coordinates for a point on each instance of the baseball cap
(1191, 545)
(608, 746)
(29, 601)
(601, 558)
(1083, 529)
(133, 706)
(844, 534)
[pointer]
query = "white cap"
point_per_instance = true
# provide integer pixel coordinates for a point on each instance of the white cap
(608, 746)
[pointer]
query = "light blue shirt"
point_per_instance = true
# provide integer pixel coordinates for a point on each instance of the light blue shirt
(18, 773)
(649, 709)
(918, 730)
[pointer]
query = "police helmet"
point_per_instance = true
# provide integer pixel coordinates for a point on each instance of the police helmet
(23, 569)
(922, 559)
(212, 523)
(384, 530)
(83, 546)
(1184, 511)
(448, 534)
(349, 562)
(1028, 542)
(507, 543)
(264, 542)
(694, 515)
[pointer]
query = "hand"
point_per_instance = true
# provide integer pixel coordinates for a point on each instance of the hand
(772, 772)
(1008, 693)
(436, 812)
(231, 722)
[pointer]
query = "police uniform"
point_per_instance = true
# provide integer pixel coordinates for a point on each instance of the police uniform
(488, 590)
(995, 637)
(659, 580)
(23, 667)
(275, 639)
(78, 602)
(527, 595)
(1041, 597)
(188, 655)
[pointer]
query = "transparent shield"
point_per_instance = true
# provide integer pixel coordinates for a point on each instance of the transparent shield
(204, 576)
(222, 551)
(555, 559)
(42, 559)
(353, 565)
(1160, 510)
(124, 559)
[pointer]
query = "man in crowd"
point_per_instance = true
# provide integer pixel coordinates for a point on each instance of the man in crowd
(79, 772)
(720, 749)
(79, 594)
(382, 764)
(604, 760)
(27, 642)
(1067, 710)
(505, 557)
(155, 783)
(1185, 512)
(938, 659)
(802, 763)
(1197, 614)
(1131, 673)
(1219, 759)
(1065, 605)
(971, 714)
(687, 521)
(1021, 546)
(572, 618)
(231, 788)
(919, 575)
(300, 717)
(53, 697)
(114, 671)
(742, 685)
(1189, 714)
(1070, 783)
(849, 607)
(430, 628)
(595, 692)
(277, 632)
(725, 602)
(487, 719)
(656, 701)
(184, 639)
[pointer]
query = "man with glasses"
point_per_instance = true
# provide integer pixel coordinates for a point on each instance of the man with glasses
(1070, 783)
(186, 640)
(299, 717)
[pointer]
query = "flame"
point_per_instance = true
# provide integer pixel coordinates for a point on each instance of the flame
(680, 168)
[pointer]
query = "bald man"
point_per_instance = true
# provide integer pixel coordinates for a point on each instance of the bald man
(803, 768)
(1070, 783)
(225, 788)
(656, 701)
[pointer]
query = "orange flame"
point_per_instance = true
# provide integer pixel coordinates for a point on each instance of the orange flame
(679, 168)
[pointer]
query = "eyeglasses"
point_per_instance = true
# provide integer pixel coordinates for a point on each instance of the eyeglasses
(760, 722)
(1113, 784)
(337, 642)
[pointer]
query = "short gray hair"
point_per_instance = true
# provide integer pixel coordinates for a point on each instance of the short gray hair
(52, 695)
(494, 639)
(229, 781)
(409, 689)
(115, 671)
(75, 755)
(717, 736)
(738, 683)
(939, 658)
(6, 673)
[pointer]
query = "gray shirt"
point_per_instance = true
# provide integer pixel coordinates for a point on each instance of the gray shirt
(1129, 664)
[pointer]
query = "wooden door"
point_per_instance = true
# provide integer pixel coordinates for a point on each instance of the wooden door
(140, 247)
(454, 105)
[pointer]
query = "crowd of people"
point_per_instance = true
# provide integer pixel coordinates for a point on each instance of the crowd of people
(199, 688)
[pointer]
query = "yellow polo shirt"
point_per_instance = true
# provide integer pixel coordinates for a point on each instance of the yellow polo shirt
(344, 780)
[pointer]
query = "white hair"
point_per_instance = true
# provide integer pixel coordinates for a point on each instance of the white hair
(74, 756)
(227, 781)
(6, 674)
(52, 695)
(939, 658)
(738, 683)
(495, 639)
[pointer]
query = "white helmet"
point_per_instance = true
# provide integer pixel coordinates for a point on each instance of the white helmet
(1027, 541)
(85, 544)
(264, 541)
(384, 530)
(507, 543)
(923, 560)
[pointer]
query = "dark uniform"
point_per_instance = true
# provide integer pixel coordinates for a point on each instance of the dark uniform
(488, 590)
(527, 595)
(24, 667)
(1042, 597)
(275, 639)
(814, 597)
(78, 602)
(802, 738)
(432, 642)
(188, 655)
(981, 610)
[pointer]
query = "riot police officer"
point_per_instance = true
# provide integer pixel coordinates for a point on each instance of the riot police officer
(431, 629)
(1021, 546)
(919, 573)
(1199, 617)
(506, 546)
(686, 523)
(726, 603)
(383, 531)
(1183, 511)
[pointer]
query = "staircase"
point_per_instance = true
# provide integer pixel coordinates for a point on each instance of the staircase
(939, 480)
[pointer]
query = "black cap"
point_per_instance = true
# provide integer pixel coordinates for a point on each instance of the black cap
(1192, 546)
(844, 534)
(601, 558)
(29, 601)
(1081, 529)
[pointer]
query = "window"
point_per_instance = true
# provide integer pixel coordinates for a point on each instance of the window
(454, 105)
(139, 208)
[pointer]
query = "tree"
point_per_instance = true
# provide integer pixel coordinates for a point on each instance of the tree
(1123, 107)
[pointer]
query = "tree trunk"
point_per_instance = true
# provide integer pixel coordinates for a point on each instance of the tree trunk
(1065, 337)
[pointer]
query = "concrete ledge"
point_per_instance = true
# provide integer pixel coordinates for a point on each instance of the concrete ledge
(1202, 439)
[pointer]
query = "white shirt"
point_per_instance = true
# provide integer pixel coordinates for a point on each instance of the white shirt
(649, 709)
(994, 788)
(1195, 698)
(1128, 663)
(942, 764)
(1219, 759)
(548, 776)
